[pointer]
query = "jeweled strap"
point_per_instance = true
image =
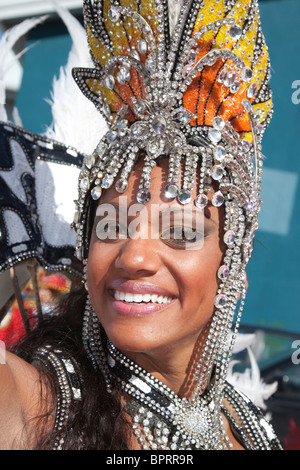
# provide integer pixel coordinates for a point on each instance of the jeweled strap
(162, 421)
(68, 382)
(252, 428)
(184, 424)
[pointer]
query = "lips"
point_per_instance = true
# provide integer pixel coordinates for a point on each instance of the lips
(133, 298)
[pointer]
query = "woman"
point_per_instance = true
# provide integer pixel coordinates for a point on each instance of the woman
(166, 215)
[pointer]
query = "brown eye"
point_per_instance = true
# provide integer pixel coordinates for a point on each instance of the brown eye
(180, 237)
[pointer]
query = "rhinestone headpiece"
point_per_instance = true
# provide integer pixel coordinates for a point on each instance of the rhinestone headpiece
(199, 94)
(194, 91)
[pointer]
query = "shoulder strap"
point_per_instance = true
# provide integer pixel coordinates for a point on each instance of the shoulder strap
(248, 422)
(68, 384)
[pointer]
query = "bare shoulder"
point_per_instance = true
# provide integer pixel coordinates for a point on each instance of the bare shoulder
(22, 393)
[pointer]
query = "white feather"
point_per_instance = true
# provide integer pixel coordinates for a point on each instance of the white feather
(243, 341)
(7, 42)
(249, 382)
(76, 121)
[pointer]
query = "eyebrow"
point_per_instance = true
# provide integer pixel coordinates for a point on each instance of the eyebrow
(116, 206)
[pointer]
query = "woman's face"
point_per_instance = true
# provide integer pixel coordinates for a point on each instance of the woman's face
(152, 292)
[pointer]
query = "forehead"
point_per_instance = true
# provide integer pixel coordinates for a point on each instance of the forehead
(159, 180)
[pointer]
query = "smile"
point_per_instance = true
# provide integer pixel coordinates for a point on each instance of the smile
(128, 297)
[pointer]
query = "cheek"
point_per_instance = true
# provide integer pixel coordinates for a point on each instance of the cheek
(100, 259)
(199, 281)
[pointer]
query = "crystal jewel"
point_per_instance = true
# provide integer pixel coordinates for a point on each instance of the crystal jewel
(159, 124)
(101, 149)
(156, 147)
(171, 191)
(143, 196)
(218, 123)
(135, 55)
(222, 75)
(249, 206)
(89, 161)
(201, 201)
(122, 127)
(142, 46)
(252, 90)
(121, 186)
(192, 57)
(217, 172)
(246, 74)
(235, 32)
(109, 82)
(150, 64)
(184, 197)
(229, 237)
(235, 87)
(223, 272)
(111, 136)
(220, 301)
(138, 128)
(193, 422)
(114, 14)
(245, 145)
(218, 199)
(229, 79)
(187, 69)
(140, 107)
(84, 184)
(219, 153)
(214, 135)
(184, 117)
(107, 181)
(123, 75)
(96, 192)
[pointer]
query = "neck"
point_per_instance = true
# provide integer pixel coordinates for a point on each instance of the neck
(175, 367)
(170, 371)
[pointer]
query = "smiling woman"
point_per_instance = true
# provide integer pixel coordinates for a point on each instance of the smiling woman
(166, 214)
(124, 274)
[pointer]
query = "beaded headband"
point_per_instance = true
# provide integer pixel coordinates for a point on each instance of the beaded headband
(195, 93)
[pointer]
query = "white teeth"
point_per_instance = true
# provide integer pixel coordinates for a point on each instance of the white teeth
(139, 298)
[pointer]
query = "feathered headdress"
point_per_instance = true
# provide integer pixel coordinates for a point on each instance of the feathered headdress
(184, 80)
(187, 81)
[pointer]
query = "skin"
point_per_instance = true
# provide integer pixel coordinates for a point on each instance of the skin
(163, 342)
(166, 343)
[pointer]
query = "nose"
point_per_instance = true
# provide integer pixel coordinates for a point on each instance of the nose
(138, 257)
